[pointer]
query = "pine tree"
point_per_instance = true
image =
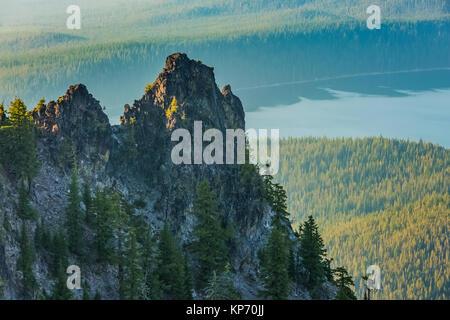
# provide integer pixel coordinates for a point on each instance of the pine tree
(21, 149)
(221, 287)
(74, 216)
(3, 116)
(2, 284)
(25, 263)
(60, 290)
(151, 288)
(132, 278)
(188, 284)
(88, 203)
(60, 252)
(171, 272)
(105, 210)
(275, 256)
(209, 246)
(86, 291)
(275, 264)
(344, 282)
(24, 209)
(38, 236)
(313, 254)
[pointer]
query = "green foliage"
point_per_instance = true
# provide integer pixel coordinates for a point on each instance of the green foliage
(88, 203)
(276, 196)
(379, 201)
(350, 177)
(410, 244)
(59, 253)
(60, 290)
(275, 263)
(24, 209)
(149, 253)
(171, 269)
(86, 291)
(131, 284)
(344, 283)
(209, 246)
(109, 217)
(275, 257)
(3, 116)
(25, 263)
(313, 254)
(74, 216)
(42, 237)
(17, 142)
(221, 287)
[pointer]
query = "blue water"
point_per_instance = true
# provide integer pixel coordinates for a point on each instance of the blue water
(414, 116)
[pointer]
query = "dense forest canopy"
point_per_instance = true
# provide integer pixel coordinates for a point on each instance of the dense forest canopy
(380, 201)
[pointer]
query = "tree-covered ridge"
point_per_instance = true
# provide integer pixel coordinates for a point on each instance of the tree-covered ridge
(409, 244)
(380, 201)
(337, 178)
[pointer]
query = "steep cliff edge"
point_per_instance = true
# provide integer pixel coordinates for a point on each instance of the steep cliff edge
(133, 159)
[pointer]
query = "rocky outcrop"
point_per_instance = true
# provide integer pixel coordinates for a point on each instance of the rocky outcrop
(133, 159)
(75, 124)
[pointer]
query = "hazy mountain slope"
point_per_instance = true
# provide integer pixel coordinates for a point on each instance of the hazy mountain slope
(381, 201)
(40, 57)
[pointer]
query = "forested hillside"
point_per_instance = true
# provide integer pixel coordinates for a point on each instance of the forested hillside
(381, 201)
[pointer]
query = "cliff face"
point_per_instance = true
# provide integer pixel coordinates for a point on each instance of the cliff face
(133, 159)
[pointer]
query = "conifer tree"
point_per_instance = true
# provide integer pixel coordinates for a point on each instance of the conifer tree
(2, 284)
(344, 283)
(209, 246)
(88, 202)
(3, 115)
(74, 216)
(151, 288)
(275, 264)
(42, 237)
(25, 263)
(132, 279)
(221, 287)
(313, 254)
(105, 213)
(60, 252)
(60, 290)
(276, 255)
(21, 149)
(24, 209)
(86, 291)
(188, 284)
(171, 272)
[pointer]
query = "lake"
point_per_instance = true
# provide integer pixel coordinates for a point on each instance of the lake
(410, 115)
